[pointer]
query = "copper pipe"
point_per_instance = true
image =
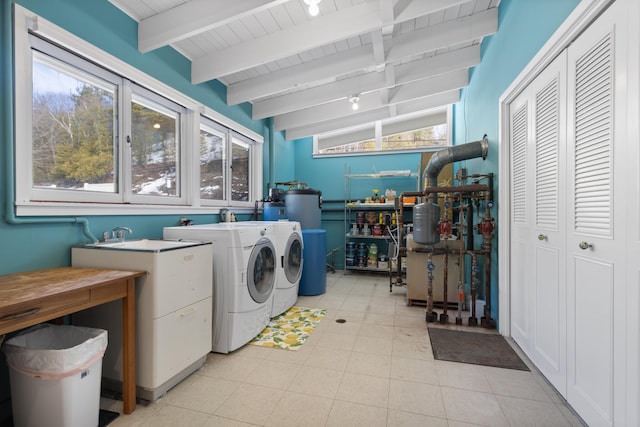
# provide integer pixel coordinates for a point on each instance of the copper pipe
(431, 316)
(487, 236)
(444, 317)
(473, 320)
(470, 188)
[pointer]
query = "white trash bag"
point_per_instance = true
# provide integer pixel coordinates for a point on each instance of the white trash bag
(55, 351)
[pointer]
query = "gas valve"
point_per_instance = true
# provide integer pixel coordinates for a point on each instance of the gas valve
(444, 228)
(486, 226)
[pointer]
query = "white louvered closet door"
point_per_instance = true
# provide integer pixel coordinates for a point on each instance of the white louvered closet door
(596, 239)
(521, 222)
(538, 286)
(548, 347)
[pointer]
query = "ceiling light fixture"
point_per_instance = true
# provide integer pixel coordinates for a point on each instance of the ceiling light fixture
(313, 7)
(354, 102)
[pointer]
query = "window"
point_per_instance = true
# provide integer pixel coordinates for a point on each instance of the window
(213, 160)
(154, 145)
(73, 127)
(414, 132)
(421, 138)
(240, 166)
(221, 174)
(90, 139)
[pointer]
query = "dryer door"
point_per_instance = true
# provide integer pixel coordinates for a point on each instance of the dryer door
(292, 259)
(261, 271)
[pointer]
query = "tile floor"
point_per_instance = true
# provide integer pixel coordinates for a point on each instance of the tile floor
(377, 369)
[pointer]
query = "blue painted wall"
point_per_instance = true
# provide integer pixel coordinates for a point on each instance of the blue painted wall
(284, 161)
(327, 173)
(28, 247)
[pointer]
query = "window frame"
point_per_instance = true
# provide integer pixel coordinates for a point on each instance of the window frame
(28, 24)
(211, 126)
(166, 106)
(379, 133)
(72, 65)
(236, 138)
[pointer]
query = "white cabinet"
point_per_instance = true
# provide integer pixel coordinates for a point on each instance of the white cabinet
(571, 175)
(417, 272)
(173, 314)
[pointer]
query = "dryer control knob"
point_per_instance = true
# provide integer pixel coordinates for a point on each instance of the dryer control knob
(263, 232)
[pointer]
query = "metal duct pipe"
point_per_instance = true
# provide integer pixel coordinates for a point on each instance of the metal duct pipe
(426, 215)
(449, 155)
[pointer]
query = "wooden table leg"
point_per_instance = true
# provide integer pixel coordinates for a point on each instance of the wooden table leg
(129, 348)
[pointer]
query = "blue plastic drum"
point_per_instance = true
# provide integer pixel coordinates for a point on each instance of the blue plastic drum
(314, 268)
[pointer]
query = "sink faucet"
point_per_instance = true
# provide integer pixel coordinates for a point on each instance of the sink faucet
(117, 234)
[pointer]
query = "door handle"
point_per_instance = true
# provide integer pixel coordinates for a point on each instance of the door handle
(585, 245)
(542, 237)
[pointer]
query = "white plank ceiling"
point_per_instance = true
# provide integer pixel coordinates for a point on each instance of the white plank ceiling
(398, 56)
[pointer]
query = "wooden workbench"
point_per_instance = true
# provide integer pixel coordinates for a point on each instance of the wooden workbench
(33, 297)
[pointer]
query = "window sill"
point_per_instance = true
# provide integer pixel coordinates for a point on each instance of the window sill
(89, 209)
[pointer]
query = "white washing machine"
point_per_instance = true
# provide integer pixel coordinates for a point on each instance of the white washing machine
(244, 273)
(289, 247)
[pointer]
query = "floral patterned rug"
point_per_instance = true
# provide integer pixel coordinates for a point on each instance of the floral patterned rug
(289, 330)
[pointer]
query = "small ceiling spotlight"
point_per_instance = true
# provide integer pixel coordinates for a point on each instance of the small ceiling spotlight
(313, 7)
(354, 102)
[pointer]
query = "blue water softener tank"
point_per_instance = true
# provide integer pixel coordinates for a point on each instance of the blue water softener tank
(274, 208)
(314, 271)
(274, 211)
(303, 205)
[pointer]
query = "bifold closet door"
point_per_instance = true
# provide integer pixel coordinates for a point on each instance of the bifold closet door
(538, 288)
(521, 229)
(596, 238)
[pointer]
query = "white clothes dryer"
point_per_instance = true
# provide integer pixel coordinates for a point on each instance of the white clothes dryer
(244, 274)
(289, 247)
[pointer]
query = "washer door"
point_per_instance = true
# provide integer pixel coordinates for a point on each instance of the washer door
(261, 271)
(292, 259)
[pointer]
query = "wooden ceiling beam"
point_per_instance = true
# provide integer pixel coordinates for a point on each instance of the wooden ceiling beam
(194, 17)
(390, 77)
(299, 75)
(317, 32)
(426, 103)
(371, 101)
(438, 36)
(320, 31)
